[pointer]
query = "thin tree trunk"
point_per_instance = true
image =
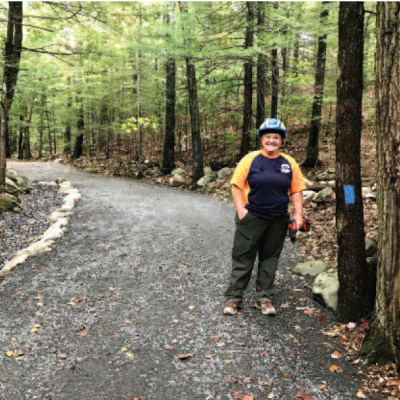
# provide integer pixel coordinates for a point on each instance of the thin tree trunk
(197, 171)
(168, 157)
(21, 139)
(275, 76)
(3, 156)
(383, 341)
(27, 138)
(261, 69)
(248, 82)
(312, 158)
(353, 296)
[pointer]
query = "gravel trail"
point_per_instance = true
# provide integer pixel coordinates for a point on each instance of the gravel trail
(138, 280)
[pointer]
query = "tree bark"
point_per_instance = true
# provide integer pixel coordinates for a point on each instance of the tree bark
(12, 56)
(67, 146)
(78, 148)
(353, 296)
(261, 69)
(383, 341)
(168, 157)
(248, 82)
(27, 136)
(274, 77)
(3, 157)
(21, 139)
(312, 158)
(198, 169)
(168, 152)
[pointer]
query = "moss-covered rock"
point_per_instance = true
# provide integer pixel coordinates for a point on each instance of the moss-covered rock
(312, 268)
(206, 180)
(91, 170)
(9, 202)
(325, 289)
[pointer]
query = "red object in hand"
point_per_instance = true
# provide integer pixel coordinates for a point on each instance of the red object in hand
(293, 228)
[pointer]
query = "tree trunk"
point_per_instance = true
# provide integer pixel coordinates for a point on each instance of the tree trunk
(248, 82)
(261, 69)
(78, 148)
(168, 157)
(68, 137)
(21, 139)
(12, 56)
(274, 77)
(27, 136)
(3, 123)
(198, 169)
(312, 158)
(353, 296)
(383, 341)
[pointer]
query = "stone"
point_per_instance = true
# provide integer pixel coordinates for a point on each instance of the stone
(371, 247)
(12, 188)
(177, 171)
(156, 172)
(208, 171)
(9, 202)
(312, 268)
(326, 195)
(23, 180)
(225, 174)
(324, 176)
(226, 185)
(308, 196)
(206, 179)
(91, 170)
(325, 289)
(176, 181)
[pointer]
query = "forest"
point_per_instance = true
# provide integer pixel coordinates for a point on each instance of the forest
(139, 89)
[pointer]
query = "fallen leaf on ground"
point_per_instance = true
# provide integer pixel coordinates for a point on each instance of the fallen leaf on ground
(262, 353)
(286, 375)
(271, 396)
(333, 368)
(214, 337)
(356, 361)
(351, 325)
(321, 320)
(33, 330)
(324, 388)
(13, 340)
(304, 396)
(221, 344)
(336, 354)
(252, 305)
(62, 356)
(241, 396)
(232, 380)
(209, 356)
(81, 333)
(9, 353)
(262, 383)
(309, 312)
(286, 305)
(128, 322)
(168, 347)
(361, 394)
(129, 354)
(184, 356)
(393, 383)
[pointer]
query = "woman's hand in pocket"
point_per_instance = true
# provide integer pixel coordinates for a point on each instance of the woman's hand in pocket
(242, 213)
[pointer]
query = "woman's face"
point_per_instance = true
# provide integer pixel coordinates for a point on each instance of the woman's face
(271, 142)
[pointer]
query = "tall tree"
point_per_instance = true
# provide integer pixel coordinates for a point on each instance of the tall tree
(353, 301)
(261, 68)
(168, 156)
(248, 81)
(275, 76)
(312, 158)
(12, 56)
(383, 341)
(197, 148)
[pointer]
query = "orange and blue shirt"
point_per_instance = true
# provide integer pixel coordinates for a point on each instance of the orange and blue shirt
(268, 183)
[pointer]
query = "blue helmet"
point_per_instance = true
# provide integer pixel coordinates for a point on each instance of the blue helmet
(272, 125)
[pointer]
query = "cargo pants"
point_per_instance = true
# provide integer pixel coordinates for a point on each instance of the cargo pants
(255, 235)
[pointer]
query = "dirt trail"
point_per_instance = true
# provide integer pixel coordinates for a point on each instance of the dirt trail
(136, 281)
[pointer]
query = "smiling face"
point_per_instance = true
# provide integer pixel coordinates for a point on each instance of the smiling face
(271, 142)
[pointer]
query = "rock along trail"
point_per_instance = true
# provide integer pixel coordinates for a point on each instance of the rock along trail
(137, 281)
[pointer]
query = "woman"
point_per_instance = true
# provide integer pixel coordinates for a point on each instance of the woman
(261, 186)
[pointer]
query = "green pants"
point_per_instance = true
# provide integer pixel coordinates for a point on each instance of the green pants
(255, 235)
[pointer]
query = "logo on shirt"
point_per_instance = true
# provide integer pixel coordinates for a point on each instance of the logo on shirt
(285, 168)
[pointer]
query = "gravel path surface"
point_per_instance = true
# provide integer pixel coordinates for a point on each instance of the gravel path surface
(17, 230)
(136, 281)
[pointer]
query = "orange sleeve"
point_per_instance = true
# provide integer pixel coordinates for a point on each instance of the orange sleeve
(298, 184)
(239, 177)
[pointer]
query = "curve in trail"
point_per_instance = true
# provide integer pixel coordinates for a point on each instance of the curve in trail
(136, 281)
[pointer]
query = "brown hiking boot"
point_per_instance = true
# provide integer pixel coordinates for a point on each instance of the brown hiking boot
(266, 308)
(230, 308)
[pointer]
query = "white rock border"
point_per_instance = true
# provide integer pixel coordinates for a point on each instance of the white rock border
(55, 231)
